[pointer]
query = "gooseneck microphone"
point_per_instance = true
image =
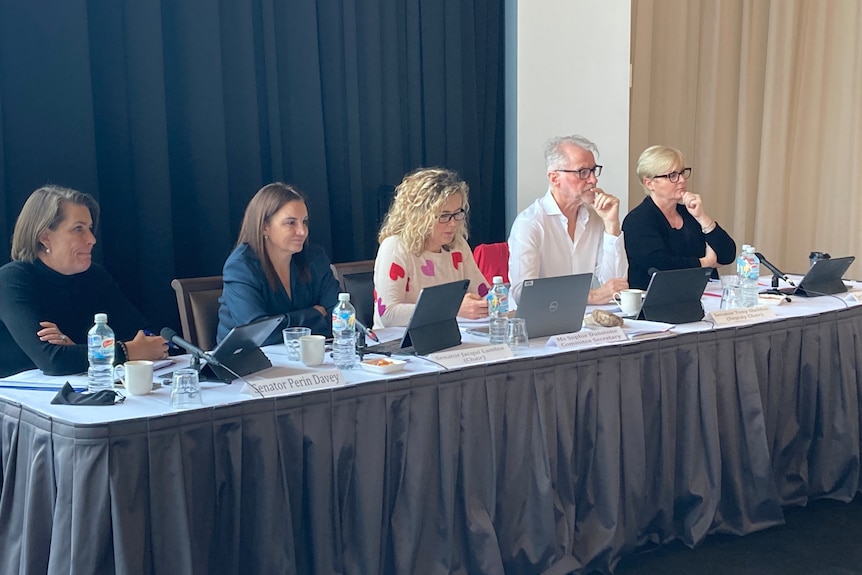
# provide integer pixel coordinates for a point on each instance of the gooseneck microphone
(172, 336)
(775, 271)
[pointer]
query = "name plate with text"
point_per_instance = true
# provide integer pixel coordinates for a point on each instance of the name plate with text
(297, 383)
(586, 338)
(742, 315)
(471, 355)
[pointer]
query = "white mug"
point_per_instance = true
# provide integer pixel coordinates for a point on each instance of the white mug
(630, 300)
(137, 376)
(311, 349)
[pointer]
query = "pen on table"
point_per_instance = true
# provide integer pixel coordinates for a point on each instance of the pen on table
(709, 293)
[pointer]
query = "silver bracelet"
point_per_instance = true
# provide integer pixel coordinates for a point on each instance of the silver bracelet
(710, 227)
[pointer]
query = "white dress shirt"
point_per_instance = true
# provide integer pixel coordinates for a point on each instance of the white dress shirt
(540, 246)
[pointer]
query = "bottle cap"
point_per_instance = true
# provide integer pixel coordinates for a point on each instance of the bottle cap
(344, 297)
(101, 318)
(745, 247)
(497, 279)
(750, 249)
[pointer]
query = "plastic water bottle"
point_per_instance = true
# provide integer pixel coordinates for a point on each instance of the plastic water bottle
(498, 309)
(344, 333)
(100, 353)
(748, 270)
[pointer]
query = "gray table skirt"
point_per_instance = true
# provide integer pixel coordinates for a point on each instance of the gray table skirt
(555, 465)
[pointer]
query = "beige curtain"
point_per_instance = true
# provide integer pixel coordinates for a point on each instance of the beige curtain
(764, 97)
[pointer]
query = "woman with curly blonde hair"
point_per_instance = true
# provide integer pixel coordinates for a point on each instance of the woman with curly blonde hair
(423, 242)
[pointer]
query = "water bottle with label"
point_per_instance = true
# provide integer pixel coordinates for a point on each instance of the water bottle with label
(344, 333)
(100, 353)
(498, 310)
(748, 270)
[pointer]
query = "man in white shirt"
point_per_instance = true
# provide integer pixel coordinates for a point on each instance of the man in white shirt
(574, 228)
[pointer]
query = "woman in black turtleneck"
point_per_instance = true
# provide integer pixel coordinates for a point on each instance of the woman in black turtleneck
(51, 290)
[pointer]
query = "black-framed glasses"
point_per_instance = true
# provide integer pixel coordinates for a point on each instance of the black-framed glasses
(458, 215)
(584, 173)
(674, 176)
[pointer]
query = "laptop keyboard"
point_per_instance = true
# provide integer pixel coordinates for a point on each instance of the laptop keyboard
(393, 347)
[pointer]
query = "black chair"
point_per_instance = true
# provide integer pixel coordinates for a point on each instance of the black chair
(360, 286)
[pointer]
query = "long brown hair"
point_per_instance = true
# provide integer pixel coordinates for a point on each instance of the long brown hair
(265, 203)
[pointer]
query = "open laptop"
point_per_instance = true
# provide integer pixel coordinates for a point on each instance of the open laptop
(240, 350)
(824, 278)
(673, 296)
(554, 305)
(433, 325)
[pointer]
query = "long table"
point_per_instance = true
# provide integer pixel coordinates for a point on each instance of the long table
(549, 462)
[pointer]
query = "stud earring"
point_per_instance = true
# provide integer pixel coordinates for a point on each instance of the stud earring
(266, 237)
(47, 250)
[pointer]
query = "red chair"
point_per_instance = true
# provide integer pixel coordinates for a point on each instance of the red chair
(493, 260)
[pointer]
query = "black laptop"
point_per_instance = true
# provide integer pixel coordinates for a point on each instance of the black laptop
(673, 296)
(824, 278)
(554, 305)
(433, 325)
(240, 350)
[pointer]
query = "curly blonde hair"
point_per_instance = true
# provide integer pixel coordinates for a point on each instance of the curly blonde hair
(418, 202)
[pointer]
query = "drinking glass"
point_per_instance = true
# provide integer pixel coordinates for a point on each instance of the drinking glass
(186, 389)
(730, 292)
(517, 337)
(291, 337)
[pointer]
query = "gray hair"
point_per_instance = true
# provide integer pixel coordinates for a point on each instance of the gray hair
(42, 211)
(555, 150)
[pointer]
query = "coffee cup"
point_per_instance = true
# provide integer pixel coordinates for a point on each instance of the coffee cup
(630, 300)
(311, 348)
(137, 376)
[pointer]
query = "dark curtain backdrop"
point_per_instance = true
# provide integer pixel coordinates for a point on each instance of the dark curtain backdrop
(174, 113)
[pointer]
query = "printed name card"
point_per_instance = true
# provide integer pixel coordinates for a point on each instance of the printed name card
(742, 315)
(587, 338)
(471, 355)
(296, 383)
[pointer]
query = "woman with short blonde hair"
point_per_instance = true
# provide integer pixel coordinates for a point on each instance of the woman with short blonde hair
(670, 229)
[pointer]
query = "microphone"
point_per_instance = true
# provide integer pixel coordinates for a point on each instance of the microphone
(775, 271)
(365, 330)
(172, 336)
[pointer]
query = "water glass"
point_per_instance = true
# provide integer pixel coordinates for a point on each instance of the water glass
(517, 337)
(730, 292)
(291, 337)
(186, 389)
(497, 329)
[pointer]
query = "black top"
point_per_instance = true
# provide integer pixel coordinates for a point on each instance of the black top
(652, 243)
(33, 292)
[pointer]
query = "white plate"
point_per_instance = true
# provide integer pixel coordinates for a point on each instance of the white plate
(388, 365)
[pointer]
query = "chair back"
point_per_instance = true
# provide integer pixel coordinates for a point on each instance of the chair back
(197, 301)
(360, 286)
(357, 279)
(493, 260)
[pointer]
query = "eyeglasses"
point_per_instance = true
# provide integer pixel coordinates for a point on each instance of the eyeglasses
(457, 216)
(674, 176)
(584, 173)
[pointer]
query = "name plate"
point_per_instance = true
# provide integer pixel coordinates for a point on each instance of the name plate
(291, 384)
(471, 355)
(592, 337)
(742, 315)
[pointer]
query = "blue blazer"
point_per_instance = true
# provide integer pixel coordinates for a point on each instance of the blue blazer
(247, 295)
